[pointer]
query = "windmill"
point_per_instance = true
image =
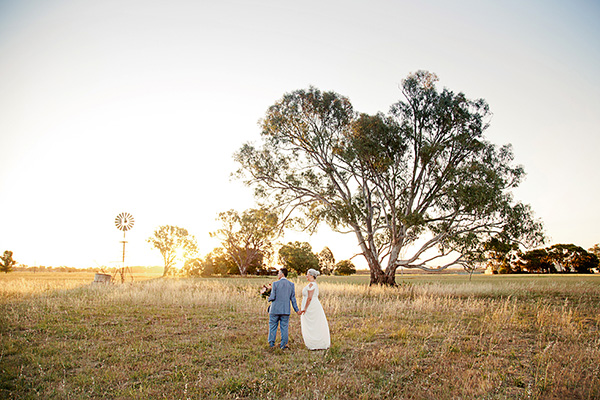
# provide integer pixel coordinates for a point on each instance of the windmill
(124, 222)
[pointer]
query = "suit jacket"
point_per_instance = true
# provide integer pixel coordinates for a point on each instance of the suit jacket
(282, 293)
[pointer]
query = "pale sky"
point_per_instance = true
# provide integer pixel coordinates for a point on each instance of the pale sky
(138, 106)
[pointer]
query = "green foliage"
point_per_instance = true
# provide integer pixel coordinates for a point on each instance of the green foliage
(571, 258)
(344, 268)
(193, 267)
(298, 257)
(595, 250)
(6, 262)
(563, 258)
(218, 262)
(326, 261)
(499, 255)
(426, 170)
(171, 240)
(534, 261)
(247, 238)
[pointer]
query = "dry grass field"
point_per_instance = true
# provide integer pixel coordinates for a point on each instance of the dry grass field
(433, 337)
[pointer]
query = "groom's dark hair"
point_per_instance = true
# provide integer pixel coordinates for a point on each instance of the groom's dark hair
(284, 271)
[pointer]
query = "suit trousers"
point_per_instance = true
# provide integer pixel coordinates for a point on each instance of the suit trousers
(283, 321)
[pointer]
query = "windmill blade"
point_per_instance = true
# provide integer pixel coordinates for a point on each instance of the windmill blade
(124, 221)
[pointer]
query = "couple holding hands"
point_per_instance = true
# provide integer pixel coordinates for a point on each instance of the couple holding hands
(315, 329)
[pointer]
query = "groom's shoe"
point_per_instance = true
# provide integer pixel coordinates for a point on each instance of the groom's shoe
(285, 348)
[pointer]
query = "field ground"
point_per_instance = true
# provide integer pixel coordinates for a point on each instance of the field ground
(433, 337)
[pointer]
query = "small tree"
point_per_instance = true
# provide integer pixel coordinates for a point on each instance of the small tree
(173, 243)
(326, 261)
(247, 237)
(345, 268)
(298, 257)
(6, 262)
(218, 262)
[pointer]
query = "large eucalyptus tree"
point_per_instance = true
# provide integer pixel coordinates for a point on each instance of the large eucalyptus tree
(420, 188)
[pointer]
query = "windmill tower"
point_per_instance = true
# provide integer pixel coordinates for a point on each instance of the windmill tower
(124, 222)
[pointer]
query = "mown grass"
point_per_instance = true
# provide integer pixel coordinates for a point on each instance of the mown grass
(433, 337)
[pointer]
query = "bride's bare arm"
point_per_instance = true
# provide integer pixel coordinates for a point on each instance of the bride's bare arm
(308, 299)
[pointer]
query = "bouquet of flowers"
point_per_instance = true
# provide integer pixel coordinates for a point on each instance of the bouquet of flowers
(265, 290)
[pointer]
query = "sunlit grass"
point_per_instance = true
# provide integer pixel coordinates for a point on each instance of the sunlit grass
(438, 337)
(16, 285)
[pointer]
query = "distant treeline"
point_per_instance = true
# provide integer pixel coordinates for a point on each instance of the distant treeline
(559, 258)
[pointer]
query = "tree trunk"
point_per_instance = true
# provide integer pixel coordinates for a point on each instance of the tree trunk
(378, 276)
(384, 280)
(381, 277)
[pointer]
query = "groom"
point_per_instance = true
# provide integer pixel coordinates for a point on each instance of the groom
(282, 292)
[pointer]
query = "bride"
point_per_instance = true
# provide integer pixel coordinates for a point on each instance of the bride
(315, 329)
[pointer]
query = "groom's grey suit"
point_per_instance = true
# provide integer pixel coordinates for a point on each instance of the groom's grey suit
(282, 293)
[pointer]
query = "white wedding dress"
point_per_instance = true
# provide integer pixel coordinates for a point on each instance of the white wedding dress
(315, 329)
